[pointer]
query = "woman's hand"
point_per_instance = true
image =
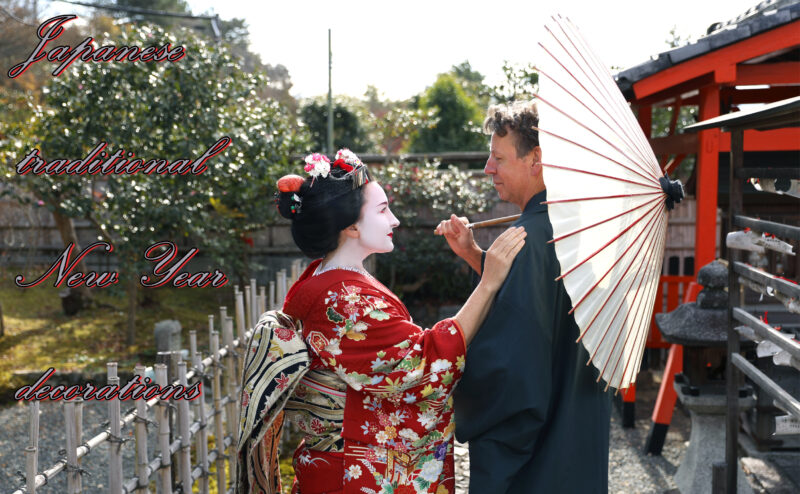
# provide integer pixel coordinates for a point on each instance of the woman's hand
(500, 256)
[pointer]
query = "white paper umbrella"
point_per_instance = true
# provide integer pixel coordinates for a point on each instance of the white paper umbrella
(606, 202)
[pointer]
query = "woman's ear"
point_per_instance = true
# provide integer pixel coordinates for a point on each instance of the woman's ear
(536, 165)
(352, 231)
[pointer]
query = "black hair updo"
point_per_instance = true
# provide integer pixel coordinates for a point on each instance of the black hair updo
(324, 209)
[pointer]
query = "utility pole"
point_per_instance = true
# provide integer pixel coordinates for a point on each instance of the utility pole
(330, 97)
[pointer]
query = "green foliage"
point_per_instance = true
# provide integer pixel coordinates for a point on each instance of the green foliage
(169, 111)
(422, 267)
(472, 82)
(348, 125)
(458, 128)
(522, 83)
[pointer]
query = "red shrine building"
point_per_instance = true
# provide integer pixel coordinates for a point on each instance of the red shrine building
(752, 59)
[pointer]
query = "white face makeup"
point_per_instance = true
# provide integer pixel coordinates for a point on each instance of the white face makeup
(376, 222)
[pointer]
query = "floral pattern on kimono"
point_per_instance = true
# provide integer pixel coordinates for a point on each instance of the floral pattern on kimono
(398, 423)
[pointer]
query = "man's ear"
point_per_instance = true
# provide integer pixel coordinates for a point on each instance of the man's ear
(536, 165)
(352, 231)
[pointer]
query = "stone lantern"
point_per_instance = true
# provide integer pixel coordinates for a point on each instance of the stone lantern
(701, 327)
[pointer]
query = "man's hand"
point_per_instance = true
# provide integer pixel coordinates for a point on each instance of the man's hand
(461, 240)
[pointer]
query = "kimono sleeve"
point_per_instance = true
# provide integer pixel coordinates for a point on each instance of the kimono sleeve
(368, 340)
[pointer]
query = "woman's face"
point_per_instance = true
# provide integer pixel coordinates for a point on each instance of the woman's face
(377, 221)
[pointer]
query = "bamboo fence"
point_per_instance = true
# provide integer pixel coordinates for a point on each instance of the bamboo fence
(183, 426)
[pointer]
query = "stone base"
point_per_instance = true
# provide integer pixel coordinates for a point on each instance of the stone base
(706, 443)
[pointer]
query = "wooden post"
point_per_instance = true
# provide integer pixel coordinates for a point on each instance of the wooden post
(162, 417)
(32, 451)
(272, 303)
(186, 438)
(200, 412)
(219, 433)
(115, 438)
(231, 408)
(140, 431)
(248, 307)
(732, 377)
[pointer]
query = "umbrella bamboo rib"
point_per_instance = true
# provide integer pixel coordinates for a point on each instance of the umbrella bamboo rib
(610, 116)
(590, 290)
(623, 110)
(630, 136)
(641, 138)
(614, 104)
(566, 235)
(611, 177)
(649, 308)
(574, 143)
(649, 228)
(637, 306)
(623, 153)
(623, 137)
(641, 336)
(577, 199)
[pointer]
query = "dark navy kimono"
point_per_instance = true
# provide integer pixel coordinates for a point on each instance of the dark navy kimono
(535, 418)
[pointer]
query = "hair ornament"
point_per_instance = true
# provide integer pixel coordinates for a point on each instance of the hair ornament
(290, 183)
(297, 203)
(317, 165)
(349, 162)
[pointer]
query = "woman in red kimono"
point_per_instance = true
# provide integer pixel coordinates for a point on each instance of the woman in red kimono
(376, 403)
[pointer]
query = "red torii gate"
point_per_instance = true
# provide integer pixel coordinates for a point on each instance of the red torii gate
(760, 48)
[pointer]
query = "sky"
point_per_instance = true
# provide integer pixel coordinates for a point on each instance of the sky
(400, 46)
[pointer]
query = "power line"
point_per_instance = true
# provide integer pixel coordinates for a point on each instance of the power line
(15, 18)
(136, 10)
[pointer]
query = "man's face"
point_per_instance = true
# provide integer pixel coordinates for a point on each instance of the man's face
(511, 175)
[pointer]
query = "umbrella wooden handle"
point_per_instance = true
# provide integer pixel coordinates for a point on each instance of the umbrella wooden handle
(496, 221)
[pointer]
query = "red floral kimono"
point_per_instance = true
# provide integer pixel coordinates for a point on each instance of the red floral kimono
(376, 405)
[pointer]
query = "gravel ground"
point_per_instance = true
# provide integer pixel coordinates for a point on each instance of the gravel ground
(630, 471)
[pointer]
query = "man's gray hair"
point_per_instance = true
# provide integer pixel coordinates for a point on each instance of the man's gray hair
(519, 117)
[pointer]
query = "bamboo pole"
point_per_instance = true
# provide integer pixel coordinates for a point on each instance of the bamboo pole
(210, 325)
(496, 221)
(162, 417)
(200, 413)
(248, 307)
(140, 432)
(272, 303)
(32, 451)
(241, 327)
(223, 313)
(231, 408)
(219, 434)
(115, 436)
(281, 291)
(79, 435)
(186, 438)
(73, 476)
(262, 300)
(295, 269)
(254, 307)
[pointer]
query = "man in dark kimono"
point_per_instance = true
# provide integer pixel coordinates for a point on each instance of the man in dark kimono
(535, 418)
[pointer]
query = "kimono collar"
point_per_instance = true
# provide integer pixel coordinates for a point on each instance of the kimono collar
(535, 204)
